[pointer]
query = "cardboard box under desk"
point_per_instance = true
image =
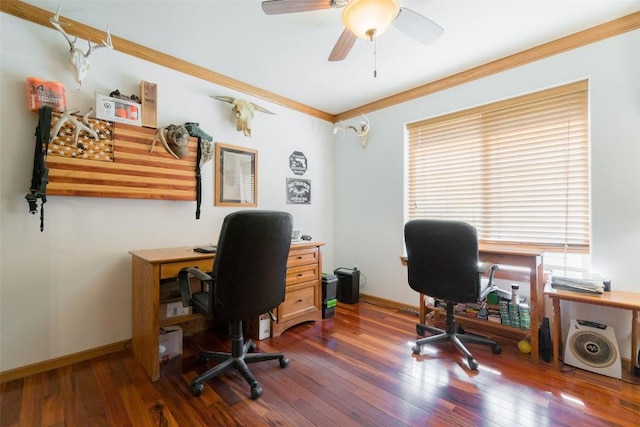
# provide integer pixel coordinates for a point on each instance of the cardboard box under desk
(171, 300)
(173, 309)
(259, 328)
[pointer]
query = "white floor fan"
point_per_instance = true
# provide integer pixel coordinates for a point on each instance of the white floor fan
(593, 347)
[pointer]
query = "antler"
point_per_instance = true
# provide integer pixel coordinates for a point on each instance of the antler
(362, 130)
(78, 59)
(104, 43)
(55, 21)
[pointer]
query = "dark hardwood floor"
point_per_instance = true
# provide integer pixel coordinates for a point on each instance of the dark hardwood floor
(355, 369)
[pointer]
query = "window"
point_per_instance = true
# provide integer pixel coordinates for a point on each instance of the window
(518, 170)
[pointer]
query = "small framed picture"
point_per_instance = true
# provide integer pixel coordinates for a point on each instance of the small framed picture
(236, 176)
(298, 191)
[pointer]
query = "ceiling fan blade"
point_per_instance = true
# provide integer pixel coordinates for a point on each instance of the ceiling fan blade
(343, 46)
(278, 7)
(417, 26)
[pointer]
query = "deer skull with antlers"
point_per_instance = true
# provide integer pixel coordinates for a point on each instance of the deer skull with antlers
(78, 59)
(362, 130)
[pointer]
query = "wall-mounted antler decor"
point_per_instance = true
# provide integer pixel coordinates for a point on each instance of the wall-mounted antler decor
(78, 59)
(362, 130)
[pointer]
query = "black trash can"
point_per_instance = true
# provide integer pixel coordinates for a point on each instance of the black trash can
(348, 285)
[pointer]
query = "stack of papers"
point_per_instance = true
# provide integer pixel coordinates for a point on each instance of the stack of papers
(589, 283)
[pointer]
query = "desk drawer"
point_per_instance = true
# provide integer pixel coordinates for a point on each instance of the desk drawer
(297, 303)
(303, 273)
(302, 256)
(171, 269)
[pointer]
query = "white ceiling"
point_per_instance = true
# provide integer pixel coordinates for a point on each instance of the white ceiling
(287, 54)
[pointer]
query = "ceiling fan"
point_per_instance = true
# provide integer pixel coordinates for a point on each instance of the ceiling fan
(365, 19)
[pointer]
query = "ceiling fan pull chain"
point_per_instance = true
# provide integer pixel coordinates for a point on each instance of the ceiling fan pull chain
(375, 63)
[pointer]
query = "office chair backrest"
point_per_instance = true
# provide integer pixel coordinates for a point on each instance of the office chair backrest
(250, 266)
(442, 259)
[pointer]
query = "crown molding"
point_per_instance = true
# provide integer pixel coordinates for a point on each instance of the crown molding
(564, 44)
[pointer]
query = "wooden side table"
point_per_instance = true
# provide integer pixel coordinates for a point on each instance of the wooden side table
(616, 299)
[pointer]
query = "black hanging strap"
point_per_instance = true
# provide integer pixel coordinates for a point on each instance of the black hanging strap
(198, 179)
(194, 130)
(40, 177)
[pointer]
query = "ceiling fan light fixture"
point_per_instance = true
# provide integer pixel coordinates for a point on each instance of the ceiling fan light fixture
(368, 19)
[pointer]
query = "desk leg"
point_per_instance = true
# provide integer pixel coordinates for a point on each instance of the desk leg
(634, 339)
(536, 304)
(556, 333)
(423, 310)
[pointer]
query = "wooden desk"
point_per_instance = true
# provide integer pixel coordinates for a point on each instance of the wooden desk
(530, 258)
(154, 268)
(616, 299)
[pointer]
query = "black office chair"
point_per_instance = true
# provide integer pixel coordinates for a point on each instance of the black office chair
(442, 262)
(248, 279)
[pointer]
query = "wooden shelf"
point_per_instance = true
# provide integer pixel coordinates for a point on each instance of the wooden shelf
(179, 319)
(530, 258)
(479, 325)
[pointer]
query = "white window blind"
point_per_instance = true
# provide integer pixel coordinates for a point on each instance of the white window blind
(518, 170)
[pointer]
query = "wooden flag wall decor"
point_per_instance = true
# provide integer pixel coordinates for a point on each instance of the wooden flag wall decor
(134, 172)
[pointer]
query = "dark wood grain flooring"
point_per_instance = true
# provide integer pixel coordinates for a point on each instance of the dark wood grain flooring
(355, 369)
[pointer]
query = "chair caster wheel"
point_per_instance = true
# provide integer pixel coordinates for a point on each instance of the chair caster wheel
(496, 349)
(256, 391)
(284, 362)
(473, 365)
(252, 347)
(415, 349)
(419, 330)
(461, 330)
(203, 359)
(197, 389)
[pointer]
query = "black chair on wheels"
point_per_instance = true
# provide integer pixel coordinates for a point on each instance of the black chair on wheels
(442, 262)
(248, 280)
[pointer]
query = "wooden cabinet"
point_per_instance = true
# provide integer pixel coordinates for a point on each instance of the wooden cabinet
(303, 298)
(156, 269)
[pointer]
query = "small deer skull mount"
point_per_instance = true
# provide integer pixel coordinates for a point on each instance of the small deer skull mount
(79, 60)
(362, 130)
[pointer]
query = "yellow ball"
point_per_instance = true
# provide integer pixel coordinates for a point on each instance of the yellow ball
(524, 346)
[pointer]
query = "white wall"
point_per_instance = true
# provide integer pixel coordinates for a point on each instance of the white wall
(369, 195)
(68, 289)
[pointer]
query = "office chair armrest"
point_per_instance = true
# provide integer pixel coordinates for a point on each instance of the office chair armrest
(185, 284)
(483, 268)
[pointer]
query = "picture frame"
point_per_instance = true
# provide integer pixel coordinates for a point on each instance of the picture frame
(298, 191)
(236, 176)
